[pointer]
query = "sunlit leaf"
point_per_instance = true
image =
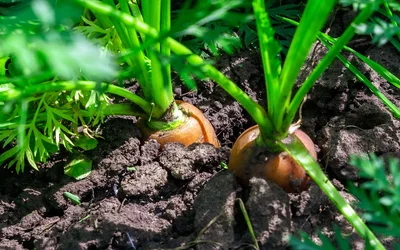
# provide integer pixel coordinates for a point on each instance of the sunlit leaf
(86, 143)
(79, 167)
(74, 198)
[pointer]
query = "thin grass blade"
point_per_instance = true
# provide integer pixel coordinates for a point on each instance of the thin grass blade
(391, 78)
(390, 15)
(360, 76)
(248, 222)
(395, 43)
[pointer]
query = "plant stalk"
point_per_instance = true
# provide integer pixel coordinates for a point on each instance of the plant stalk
(324, 64)
(12, 94)
(165, 50)
(258, 114)
(360, 76)
(267, 44)
(109, 110)
(304, 38)
(390, 16)
(160, 87)
(297, 150)
(130, 39)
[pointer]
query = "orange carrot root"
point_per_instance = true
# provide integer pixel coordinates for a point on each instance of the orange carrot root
(195, 129)
(248, 160)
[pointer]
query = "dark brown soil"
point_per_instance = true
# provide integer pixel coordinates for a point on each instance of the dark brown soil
(181, 196)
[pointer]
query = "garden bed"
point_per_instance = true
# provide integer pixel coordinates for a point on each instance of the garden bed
(182, 196)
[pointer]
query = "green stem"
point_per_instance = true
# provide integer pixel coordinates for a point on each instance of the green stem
(296, 149)
(254, 109)
(122, 109)
(162, 94)
(136, 13)
(248, 222)
(324, 64)
(165, 50)
(23, 118)
(22, 81)
(165, 23)
(390, 16)
(146, 10)
(104, 21)
(130, 39)
(177, 118)
(324, 38)
(312, 21)
(12, 94)
(3, 62)
(109, 110)
(372, 64)
(267, 44)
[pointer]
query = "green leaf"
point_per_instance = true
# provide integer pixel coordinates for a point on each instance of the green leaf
(270, 50)
(68, 144)
(307, 244)
(63, 128)
(74, 198)
(306, 34)
(378, 195)
(223, 165)
(38, 38)
(49, 124)
(386, 201)
(57, 136)
(39, 151)
(326, 244)
(344, 243)
(86, 143)
(9, 153)
(131, 169)
(360, 76)
(6, 134)
(12, 162)
(79, 167)
(208, 25)
(20, 163)
(29, 157)
(62, 114)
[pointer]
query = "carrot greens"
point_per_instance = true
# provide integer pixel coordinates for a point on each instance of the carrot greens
(53, 82)
(36, 107)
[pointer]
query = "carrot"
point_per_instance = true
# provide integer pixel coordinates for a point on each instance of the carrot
(195, 129)
(248, 159)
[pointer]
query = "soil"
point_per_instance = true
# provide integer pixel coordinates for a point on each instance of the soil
(182, 197)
